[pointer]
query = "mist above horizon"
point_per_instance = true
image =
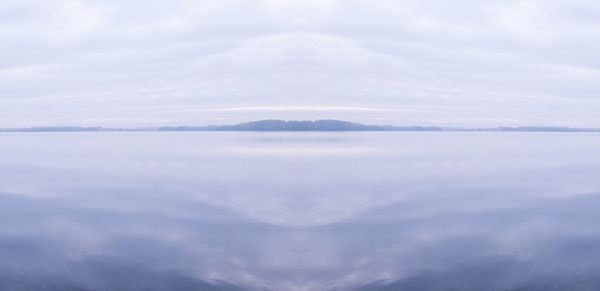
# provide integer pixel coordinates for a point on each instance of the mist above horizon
(140, 63)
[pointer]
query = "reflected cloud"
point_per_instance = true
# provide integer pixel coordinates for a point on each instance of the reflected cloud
(415, 211)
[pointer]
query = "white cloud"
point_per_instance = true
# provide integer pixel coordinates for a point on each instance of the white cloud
(465, 61)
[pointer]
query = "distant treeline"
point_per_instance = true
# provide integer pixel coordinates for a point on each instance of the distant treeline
(318, 125)
(283, 125)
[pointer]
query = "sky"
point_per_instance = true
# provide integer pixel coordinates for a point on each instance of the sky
(137, 63)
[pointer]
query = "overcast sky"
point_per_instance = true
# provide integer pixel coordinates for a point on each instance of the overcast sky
(426, 62)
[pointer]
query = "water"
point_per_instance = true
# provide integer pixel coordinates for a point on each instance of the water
(300, 211)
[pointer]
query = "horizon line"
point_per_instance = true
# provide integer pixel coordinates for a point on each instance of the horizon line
(286, 125)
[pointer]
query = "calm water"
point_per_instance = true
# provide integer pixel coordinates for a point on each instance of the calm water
(300, 211)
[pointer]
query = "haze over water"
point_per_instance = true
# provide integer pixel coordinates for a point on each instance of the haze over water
(299, 211)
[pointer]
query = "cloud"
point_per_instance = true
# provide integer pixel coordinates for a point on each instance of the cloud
(299, 108)
(68, 61)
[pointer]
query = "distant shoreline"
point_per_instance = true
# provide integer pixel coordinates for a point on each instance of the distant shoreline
(300, 126)
(573, 130)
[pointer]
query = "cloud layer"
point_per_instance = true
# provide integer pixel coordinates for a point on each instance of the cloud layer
(139, 63)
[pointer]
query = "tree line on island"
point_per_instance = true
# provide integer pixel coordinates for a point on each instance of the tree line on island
(300, 125)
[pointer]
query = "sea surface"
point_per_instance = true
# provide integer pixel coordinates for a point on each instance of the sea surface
(418, 211)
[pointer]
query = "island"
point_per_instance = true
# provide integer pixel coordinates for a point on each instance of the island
(301, 125)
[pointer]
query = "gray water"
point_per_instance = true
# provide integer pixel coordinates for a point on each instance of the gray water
(300, 211)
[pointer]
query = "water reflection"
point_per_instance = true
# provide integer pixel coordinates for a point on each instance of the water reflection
(299, 211)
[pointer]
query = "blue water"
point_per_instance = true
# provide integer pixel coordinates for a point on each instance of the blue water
(300, 211)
